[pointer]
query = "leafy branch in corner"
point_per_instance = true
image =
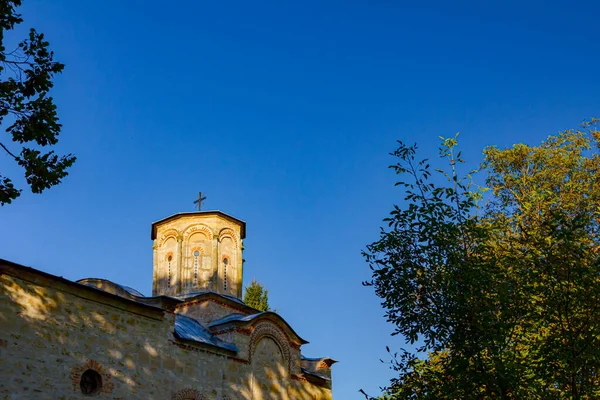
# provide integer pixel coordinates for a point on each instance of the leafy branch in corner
(26, 74)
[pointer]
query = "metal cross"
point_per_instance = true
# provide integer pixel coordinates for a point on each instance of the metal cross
(200, 200)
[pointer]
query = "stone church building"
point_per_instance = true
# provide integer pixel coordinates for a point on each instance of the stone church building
(193, 339)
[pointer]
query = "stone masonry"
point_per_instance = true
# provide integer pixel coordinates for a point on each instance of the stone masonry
(193, 340)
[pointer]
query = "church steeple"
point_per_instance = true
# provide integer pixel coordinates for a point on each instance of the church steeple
(198, 251)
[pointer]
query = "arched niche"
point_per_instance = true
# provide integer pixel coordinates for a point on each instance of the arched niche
(197, 259)
(269, 371)
(267, 329)
(228, 265)
(171, 233)
(167, 261)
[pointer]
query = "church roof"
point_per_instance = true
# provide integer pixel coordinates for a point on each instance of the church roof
(327, 359)
(163, 301)
(119, 298)
(102, 284)
(131, 291)
(245, 319)
(200, 293)
(315, 374)
(234, 317)
(192, 213)
(187, 328)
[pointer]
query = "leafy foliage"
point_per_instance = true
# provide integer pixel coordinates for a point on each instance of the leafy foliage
(25, 79)
(257, 296)
(500, 300)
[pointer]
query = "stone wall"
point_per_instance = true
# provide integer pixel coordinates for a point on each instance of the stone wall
(208, 311)
(54, 332)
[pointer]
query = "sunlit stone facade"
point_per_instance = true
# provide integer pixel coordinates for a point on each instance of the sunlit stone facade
(194, 339)
(198, 251)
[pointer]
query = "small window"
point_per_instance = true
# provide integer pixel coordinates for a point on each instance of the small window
(225, 262)
(90, 383)
(169, 259)
(196, 257)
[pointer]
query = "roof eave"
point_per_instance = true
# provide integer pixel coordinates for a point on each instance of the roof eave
(205, 345)
(92, 293)
(216, 212)
(251, 321)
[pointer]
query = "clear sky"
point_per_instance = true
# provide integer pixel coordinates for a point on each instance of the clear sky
(284, 114)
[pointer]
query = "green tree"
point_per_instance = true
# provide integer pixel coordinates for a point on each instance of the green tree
(26, 74)
(497, 291)
(257, 296)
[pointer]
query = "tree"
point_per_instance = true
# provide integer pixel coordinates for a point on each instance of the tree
(257, 296)
(498, 291)
(26, 74)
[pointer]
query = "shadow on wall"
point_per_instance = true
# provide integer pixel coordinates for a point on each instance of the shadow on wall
(168, 286)
(55, 344)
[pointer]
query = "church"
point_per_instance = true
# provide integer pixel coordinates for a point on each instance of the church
(193, 339)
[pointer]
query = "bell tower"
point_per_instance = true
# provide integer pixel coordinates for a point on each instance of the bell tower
(198, 252)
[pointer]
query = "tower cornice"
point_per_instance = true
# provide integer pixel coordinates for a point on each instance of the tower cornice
(199, 213)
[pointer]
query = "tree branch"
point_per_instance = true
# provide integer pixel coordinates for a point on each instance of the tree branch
(8, 151)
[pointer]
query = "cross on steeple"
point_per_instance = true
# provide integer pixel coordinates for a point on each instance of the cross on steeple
(200, 200)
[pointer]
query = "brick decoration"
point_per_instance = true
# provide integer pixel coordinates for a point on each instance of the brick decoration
(323, 365)
(78, 370)
(267, 329)
(298, 378)
(198, 228)
(242, 331)
(228, 232)
(275, 321)
(168, 234)
(238, 360)
(248, 331)
(193, 249)
(189, 394)
(295, 345)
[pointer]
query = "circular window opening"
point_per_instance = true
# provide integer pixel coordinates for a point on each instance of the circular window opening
(169, 258)
(225, 261)
(196, 253)
(91, 382)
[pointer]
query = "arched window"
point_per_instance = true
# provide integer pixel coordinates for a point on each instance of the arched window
(90, 383)
(225, 262)
(196, 262)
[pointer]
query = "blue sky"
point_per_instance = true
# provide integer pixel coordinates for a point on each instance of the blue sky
(284, 114)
